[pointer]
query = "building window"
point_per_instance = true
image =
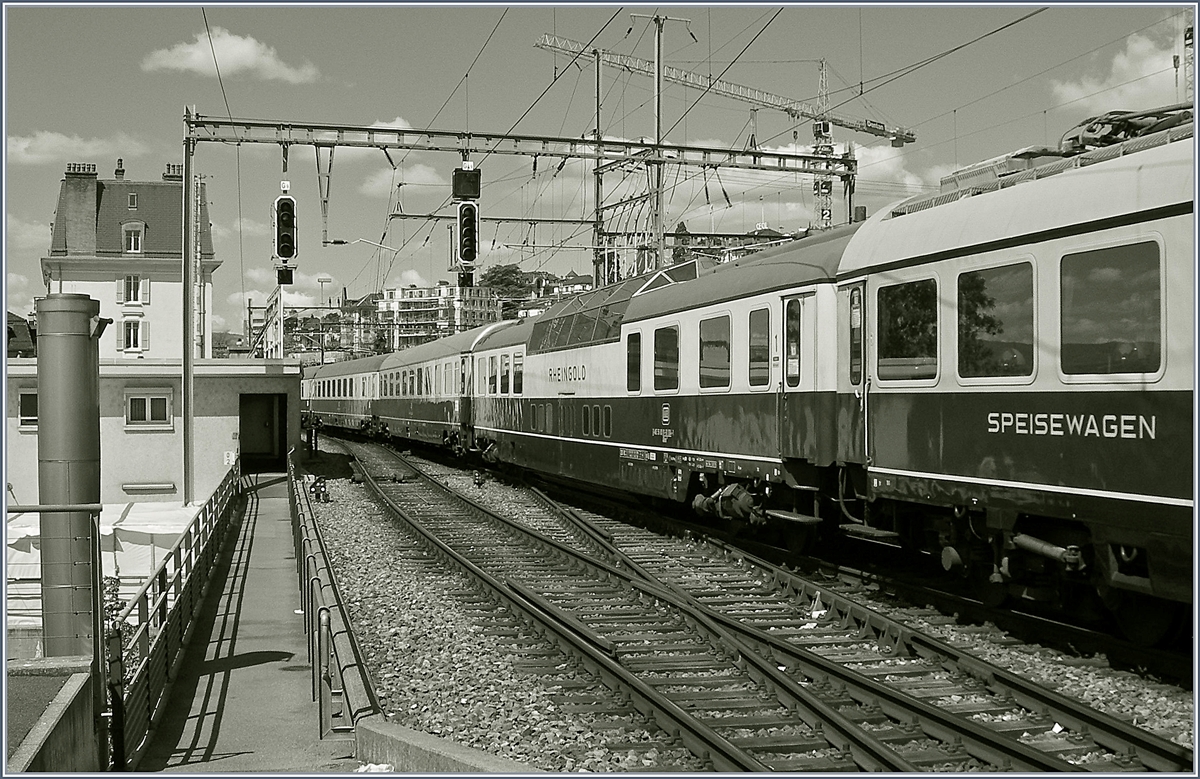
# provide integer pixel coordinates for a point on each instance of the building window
(1112, 310)
(133, 289)
(132, 201)
(134, 335)
(995, 322)
(908, 330)
(714, 352)
(27, 408)
(133, 240)
(148, 408)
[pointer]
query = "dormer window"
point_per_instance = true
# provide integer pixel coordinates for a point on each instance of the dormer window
(132, 201)
(133, 237)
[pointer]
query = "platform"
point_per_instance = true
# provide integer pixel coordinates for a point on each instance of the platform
(243, 699)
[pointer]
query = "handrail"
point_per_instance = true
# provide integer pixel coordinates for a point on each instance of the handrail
(342, 686)
(145, 641)
(56, 508)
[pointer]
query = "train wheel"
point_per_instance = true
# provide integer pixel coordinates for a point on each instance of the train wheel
(1144, 620)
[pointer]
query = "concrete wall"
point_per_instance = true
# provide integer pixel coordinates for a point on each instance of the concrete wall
(152, 457)
(410, 751)
(63, 737)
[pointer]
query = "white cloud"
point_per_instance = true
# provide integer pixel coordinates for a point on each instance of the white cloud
(20, 294)
(406, 279)
(249, 227)
(219, 325)
(46, 146)
(380, 183)
(235, 53)
(27, 236)
(1121, 83)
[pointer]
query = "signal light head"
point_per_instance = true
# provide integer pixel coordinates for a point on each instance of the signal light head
(285, 227)
(468, 231)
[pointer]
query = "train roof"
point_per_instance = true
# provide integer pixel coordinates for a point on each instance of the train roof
(444, 347)
(345, 367)
(596, 317)
(1137, 176)
(812, 260)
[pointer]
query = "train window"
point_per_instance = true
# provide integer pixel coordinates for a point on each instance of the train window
(587, 420)
(608, 421)
(504, 374)
(518, 373)
(856, 339)
(995, 321)
(908, 330)
(549, 418)
(1112, 310)
(481, 375)
(791, 319)
(760, 347)
(633, 362)
(596, 420)
(666, 358)
(427, 387)
(539, 417)
(714, 352)
(492, 375)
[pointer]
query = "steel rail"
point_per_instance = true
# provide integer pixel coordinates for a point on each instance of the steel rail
(699, 738)
(868, 752)
(1155, 753)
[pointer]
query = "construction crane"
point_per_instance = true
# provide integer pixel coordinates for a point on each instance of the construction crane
(794, 108)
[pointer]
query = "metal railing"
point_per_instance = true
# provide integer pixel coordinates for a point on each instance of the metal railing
(341, 684)
(145, 641)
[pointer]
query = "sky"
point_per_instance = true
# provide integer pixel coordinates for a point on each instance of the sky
(93, 83)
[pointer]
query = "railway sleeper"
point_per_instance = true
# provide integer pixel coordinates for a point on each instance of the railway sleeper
(781, 743)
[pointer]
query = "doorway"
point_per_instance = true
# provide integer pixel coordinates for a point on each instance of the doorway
(262, 432)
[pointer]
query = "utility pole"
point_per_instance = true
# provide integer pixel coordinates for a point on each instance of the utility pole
(599, 269)
(656, 203)
(823, 147)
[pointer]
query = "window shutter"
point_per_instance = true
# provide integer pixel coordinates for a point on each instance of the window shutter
(120, 289)
(145, 290)
(121, 336)
(145, 335)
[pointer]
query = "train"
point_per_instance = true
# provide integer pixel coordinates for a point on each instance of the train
(1000, 375)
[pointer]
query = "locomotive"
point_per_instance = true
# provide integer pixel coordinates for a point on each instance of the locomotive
(1000, 375)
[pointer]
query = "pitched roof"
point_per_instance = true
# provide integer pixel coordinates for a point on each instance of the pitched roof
(159, 208)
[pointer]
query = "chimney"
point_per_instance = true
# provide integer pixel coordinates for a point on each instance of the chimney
(81, 169)
(77, 206)
(174, 172)
(119, 173)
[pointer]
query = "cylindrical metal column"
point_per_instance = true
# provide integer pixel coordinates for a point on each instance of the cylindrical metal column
(68, 366)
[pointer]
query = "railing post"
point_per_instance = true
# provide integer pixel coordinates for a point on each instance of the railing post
(116, 694)
(325, 701)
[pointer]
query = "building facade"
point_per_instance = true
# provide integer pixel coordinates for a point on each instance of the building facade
(121, 242)
(414, 315)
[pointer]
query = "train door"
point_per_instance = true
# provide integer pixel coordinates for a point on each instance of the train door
(797, 395)
(466, 407)
(853, 382)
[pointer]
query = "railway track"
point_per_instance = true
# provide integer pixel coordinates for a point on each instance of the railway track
(741, 667)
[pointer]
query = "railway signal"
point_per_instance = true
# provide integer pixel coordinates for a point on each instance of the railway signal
(468, 233)
(284, 218)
